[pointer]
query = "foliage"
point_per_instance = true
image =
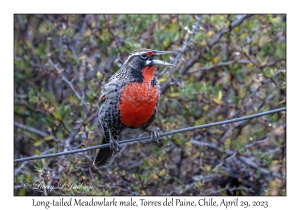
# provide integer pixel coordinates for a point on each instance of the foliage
(62, 61)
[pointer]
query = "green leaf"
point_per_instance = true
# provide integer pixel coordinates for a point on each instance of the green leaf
(269, 72)
(47, 138)
(38, 143)
(22, 192)
(44, 163)
(82, 115)
(57, 115)
(275, 117)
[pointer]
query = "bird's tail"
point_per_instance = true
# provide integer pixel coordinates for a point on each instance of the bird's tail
(104, 155)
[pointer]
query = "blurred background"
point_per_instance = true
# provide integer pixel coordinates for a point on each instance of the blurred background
(227, 66)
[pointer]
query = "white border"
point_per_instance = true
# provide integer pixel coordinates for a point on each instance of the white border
(8, 8)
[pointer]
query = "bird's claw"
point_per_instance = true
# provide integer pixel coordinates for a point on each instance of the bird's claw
(114, 145)
(155, 136)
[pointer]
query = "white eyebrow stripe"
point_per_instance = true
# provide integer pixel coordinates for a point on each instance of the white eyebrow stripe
(133, 54)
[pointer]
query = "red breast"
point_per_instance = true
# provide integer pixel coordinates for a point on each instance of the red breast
(138, 100)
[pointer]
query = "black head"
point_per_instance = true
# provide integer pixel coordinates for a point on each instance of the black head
(139, 59)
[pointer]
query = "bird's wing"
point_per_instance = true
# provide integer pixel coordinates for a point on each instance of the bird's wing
(112, 87)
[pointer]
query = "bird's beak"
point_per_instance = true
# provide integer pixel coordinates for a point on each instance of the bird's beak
(159, 62)
(156, 52)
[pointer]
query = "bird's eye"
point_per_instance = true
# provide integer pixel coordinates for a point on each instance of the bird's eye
(144, 56)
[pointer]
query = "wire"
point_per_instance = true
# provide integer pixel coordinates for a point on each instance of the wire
(148, 137)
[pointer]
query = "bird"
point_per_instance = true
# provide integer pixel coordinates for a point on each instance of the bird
(129, 99)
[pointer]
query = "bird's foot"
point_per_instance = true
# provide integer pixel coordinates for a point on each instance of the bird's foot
(114, 145)
(155, 136)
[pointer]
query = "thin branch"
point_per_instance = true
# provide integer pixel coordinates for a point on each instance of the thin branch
(188, 39)
(34, 130)
(253, 165)
(206, 144)
(118, 154)
(21, 22)
(214, 41)
(230, 189)
(228, 132)
(233, 154)
(243, 159)
(111, 32)
(64, 77)
(163, 134)
(67, 145)
(20, 168)
(260, 67)
(227, 63)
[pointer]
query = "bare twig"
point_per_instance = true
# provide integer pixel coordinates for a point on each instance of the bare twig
(34, 130)
(227, 63)
(64, 77)
(20, 168)
(233, 154)
(111, 32)
(213, 192)
(214, 41)
(187, 41)
(260, 67)
(118, 154)
(21, 22)
(71, 137)
(254, 165)
(206, 144)
(227, 133)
